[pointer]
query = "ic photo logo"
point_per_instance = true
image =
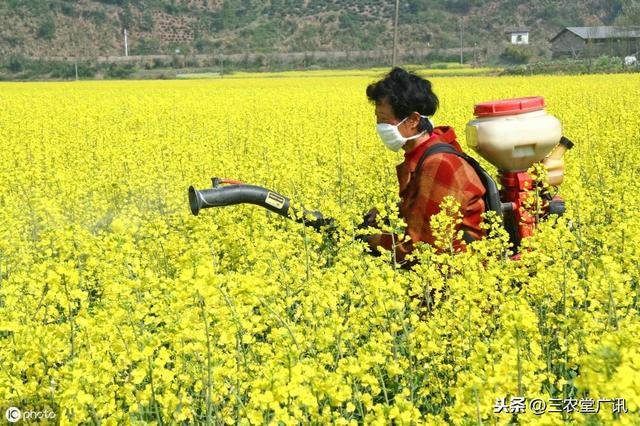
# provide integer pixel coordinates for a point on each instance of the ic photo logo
(13, 414)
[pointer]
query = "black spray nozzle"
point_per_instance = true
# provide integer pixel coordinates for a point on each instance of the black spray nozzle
(566, 142)
(239, 193)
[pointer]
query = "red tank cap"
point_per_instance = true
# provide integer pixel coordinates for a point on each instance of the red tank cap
(508, 106)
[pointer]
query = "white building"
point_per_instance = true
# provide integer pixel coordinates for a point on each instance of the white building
(518, 35)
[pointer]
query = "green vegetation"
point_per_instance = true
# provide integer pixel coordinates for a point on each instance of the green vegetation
(18, 67)
(448, 66)
(603, 64)
(516, 55)
(258, 32)
(47, 29)
(239, 26)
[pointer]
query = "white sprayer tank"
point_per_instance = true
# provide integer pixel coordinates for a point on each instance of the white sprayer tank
(512, 134)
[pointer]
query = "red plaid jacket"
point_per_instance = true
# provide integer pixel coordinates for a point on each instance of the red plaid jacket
(442, 174)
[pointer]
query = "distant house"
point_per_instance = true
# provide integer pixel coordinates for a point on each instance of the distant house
(579, 42)
(518, 35)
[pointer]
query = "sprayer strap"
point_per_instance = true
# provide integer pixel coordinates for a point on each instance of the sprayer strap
(436, 149)
(446, 148)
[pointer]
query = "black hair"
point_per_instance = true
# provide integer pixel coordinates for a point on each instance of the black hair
(406, 92)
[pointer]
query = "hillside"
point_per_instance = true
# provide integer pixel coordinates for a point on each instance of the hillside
(95, 28)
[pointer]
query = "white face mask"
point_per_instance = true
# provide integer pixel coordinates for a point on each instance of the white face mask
(392, 137)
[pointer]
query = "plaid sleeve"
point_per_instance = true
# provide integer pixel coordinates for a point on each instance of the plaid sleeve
(442, 174)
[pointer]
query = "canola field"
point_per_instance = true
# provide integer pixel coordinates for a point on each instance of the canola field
(118, 306)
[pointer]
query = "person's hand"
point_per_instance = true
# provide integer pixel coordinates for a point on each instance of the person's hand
(373, 240)
(370, 219)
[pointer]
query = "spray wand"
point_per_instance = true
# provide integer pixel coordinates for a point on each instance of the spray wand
(238, 193)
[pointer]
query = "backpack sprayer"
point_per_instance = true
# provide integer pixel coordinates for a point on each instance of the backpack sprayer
(511, 134)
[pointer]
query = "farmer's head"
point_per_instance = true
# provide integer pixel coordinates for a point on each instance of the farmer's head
(403, 102)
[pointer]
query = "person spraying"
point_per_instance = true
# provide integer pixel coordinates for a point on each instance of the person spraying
(404, 103)
(511, 134)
